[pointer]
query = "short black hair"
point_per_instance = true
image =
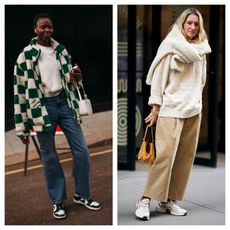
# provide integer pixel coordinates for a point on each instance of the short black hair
(41, 15)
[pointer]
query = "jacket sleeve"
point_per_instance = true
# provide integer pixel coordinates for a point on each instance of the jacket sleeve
(20, 113)
(67, 66)
(70, 83)
(159, 81)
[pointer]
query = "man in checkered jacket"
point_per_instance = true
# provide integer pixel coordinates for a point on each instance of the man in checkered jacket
(44, 96)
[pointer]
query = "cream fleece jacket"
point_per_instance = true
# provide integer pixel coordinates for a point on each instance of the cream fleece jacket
(177, 76)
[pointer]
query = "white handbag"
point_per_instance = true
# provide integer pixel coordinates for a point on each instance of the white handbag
(85, 107)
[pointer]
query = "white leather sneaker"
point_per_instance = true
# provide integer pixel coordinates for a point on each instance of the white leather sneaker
(171, 208)
(142, 209)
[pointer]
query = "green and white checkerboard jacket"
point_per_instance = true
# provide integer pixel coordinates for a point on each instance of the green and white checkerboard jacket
(29, 109)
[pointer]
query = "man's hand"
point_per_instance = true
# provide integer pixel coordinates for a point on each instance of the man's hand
(25, 140)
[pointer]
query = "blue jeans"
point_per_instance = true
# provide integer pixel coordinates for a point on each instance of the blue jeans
(59, 113)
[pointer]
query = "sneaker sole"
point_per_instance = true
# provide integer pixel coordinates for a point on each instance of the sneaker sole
(161, 210)
(145, 218)
(59, 217)
(91, 208)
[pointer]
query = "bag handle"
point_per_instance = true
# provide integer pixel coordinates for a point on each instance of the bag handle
(85, 95)
(146, 131)
(78, 85)
(79, 94)
(152, 133)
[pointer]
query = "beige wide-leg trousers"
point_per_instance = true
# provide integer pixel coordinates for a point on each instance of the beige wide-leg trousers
(176, 143)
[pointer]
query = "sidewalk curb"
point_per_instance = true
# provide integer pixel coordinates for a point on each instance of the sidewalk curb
(97, 130)
(19, 158)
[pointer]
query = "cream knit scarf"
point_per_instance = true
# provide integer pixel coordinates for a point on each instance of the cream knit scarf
(182, 51)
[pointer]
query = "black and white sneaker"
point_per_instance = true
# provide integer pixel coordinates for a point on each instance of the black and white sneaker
(90, 204)
(59, 211)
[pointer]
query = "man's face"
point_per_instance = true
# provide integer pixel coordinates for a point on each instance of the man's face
(44, 29)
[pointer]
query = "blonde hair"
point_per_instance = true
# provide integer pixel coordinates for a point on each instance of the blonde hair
(201, 35)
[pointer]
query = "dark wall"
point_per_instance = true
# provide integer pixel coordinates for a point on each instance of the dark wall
(86, 32)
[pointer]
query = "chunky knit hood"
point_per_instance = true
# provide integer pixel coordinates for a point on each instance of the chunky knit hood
(182, 51)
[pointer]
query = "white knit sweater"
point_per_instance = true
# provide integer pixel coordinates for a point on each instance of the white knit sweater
(177, 76)
(49, 71)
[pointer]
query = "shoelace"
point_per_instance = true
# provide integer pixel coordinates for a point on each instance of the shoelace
(144, 204)
(57, 207)
(90, 201)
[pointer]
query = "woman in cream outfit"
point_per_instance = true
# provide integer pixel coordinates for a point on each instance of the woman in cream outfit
(177, 77)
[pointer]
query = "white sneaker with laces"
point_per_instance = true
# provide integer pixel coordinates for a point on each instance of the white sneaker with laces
(171, 208)
(142, 209)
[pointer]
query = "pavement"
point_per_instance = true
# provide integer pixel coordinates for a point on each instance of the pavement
(204, 198)
(26, 199)
(97, 129)
(27, 202)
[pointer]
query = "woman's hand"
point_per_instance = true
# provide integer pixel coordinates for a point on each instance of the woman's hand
(75, 74)
(151, 119)
(25, 140)
(153, 116)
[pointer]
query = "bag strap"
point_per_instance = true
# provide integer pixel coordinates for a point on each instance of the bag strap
(79, 94)
(146, 131)
(85, 95)
(152, 133)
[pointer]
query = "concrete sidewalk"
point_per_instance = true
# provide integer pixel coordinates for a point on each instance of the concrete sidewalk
(204, 198)
(97, 129)
(28, 193)
(27, 202)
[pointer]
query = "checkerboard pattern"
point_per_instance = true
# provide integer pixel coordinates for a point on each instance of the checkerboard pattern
(30, 111)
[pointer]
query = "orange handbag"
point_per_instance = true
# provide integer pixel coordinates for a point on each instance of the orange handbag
(147, 151)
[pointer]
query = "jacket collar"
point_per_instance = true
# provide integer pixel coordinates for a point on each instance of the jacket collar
(36, 50)
(54, 43)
